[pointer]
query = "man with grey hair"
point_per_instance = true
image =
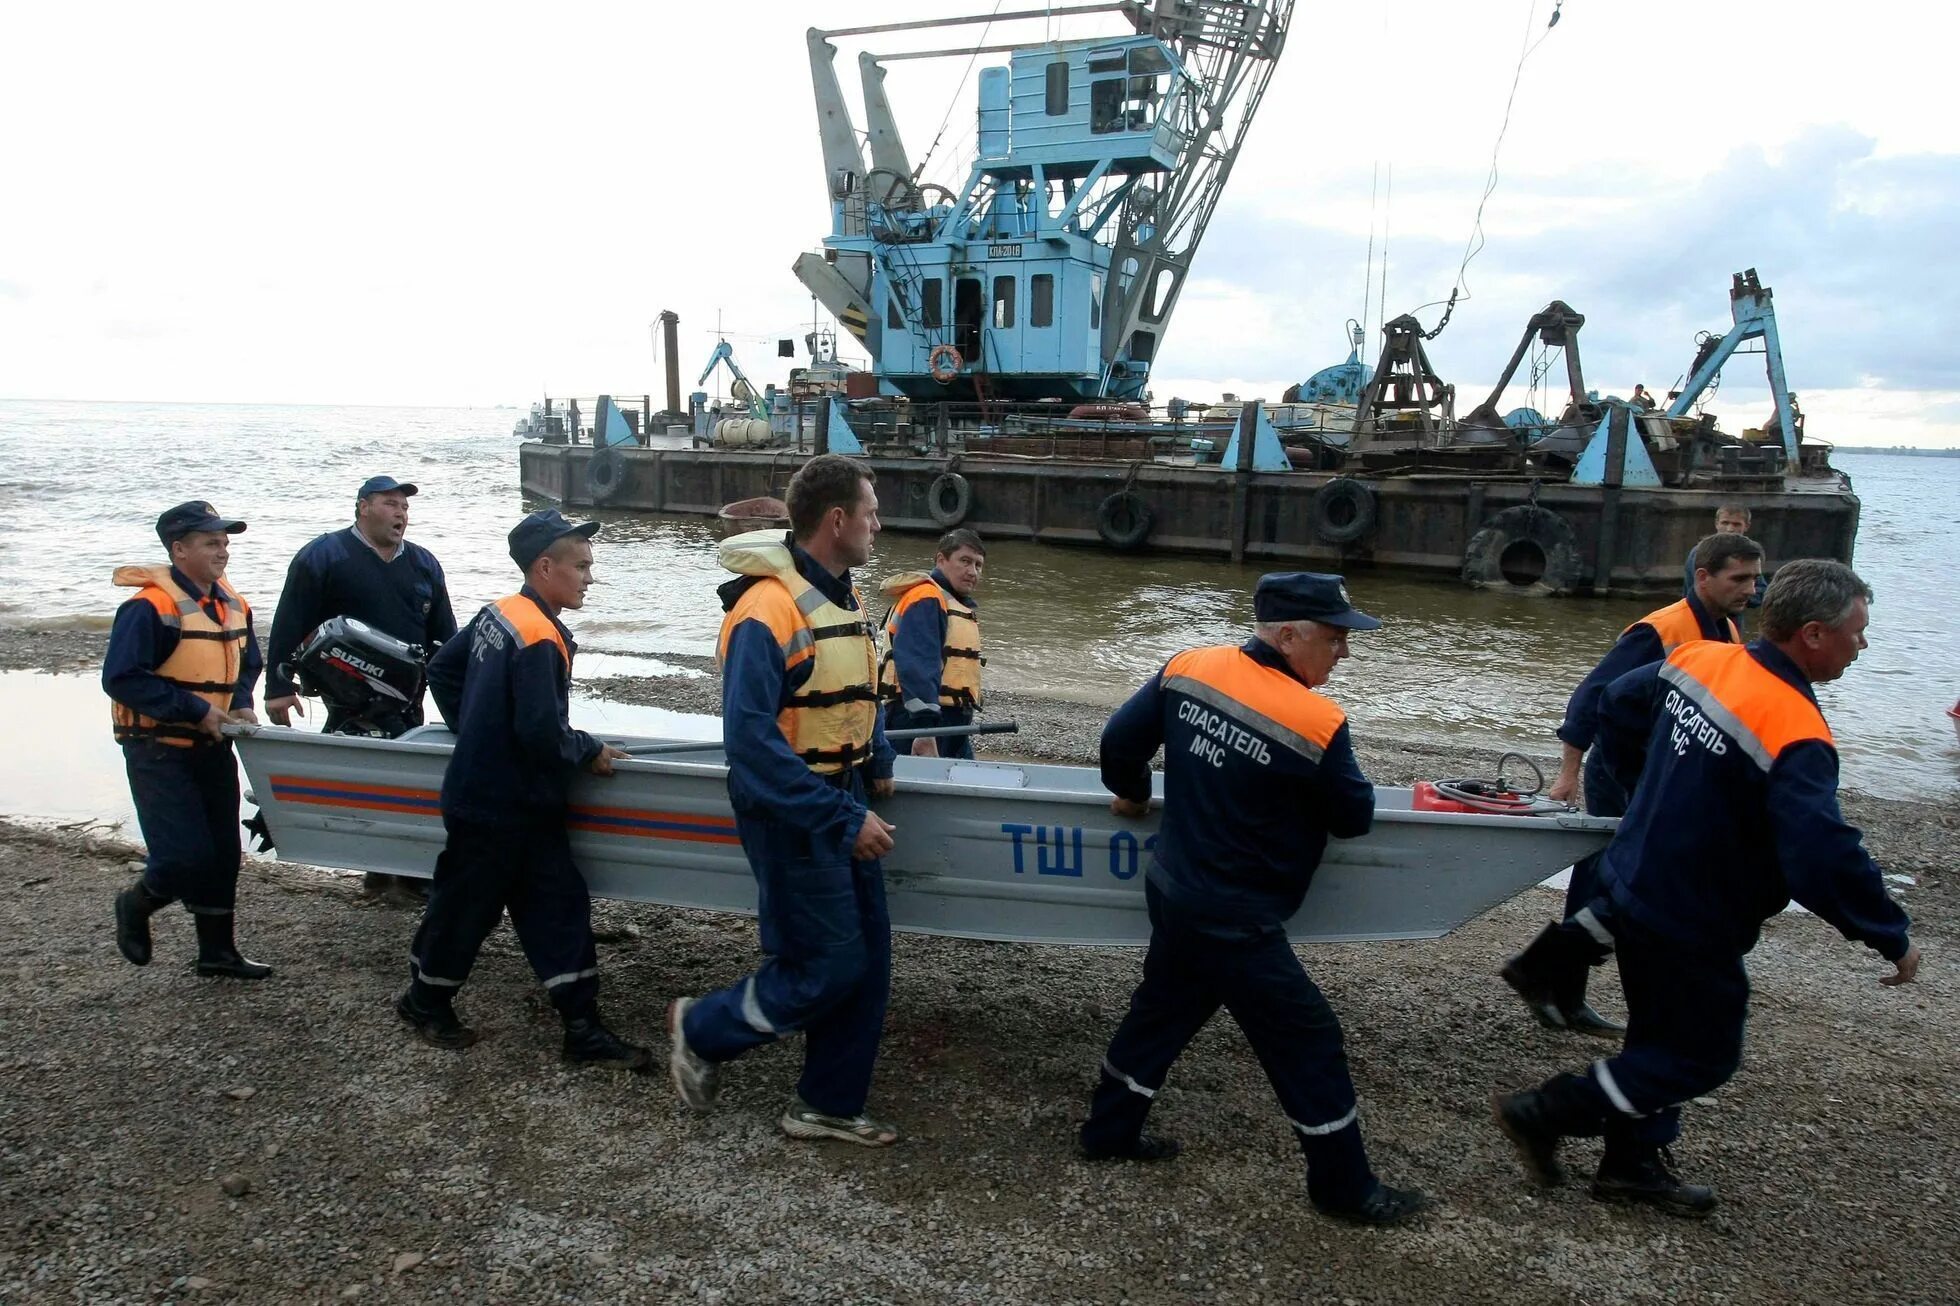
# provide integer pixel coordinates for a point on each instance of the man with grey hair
(1734, 814)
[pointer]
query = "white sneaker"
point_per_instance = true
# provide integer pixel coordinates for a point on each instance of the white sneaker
(696, 1079)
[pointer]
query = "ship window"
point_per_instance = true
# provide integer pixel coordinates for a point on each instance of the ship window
(1106, 105)
(1041, 300)
(1111, 62)
(893, 319)
(933, 311)
(1003, 302)
(1141, 343)
(1149, 59)
(1057, 89)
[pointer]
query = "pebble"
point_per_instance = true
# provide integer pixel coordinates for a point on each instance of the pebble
(242, 1094)
(407, 1261)
(236, 1184)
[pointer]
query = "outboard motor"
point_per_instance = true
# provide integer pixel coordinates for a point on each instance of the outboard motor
(370, 682)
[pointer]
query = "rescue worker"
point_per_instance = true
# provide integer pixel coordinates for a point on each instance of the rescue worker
(1550, 974)
(1735, 813)
(1258, 773)
(1730, 519)
(503, 686)
(182, 664)
(931, 672)
(806, 755)
(370, 572)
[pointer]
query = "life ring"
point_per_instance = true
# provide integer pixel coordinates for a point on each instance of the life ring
(1343, 510)
(948, 499)
(1109, 413)
(605, 474)
(944, 362)
(1123, 520)
(1527, 548)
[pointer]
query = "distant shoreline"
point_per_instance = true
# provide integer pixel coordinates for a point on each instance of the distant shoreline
(1896, 449)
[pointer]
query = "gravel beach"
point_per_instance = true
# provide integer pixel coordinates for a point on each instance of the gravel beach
(164, 1138)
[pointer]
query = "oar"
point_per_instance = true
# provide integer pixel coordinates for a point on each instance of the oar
(928, 732)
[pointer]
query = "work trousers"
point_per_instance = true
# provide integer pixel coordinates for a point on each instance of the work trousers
(956, 746)
(827, 937)
(1559, 957)
(1188, 974)
(1604, 797)
(187, 806)
(526, 868)
(1686, 1008)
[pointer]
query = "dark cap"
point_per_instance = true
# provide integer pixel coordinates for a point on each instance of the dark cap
(196, 515)
(1308, 596)
(542, 529)
(383, 484)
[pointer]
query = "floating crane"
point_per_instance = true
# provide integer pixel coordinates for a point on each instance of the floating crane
(1053, 271)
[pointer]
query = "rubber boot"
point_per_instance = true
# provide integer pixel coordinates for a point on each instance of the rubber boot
(1543, 974)
(589, 1043)
(434, 1019)
(217, 953)
(1538, 1118)
(1643, 1174)
(134, 907)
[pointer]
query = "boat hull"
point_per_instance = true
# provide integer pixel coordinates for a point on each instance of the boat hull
(985, 850)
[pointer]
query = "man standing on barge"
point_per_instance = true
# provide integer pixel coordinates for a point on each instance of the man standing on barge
(1258, 773)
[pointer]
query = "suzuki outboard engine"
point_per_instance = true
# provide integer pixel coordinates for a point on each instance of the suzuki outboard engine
(371, 683)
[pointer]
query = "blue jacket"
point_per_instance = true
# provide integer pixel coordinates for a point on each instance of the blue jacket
(139, 643)
(504, 690)
(764, 777)
(1637, 646)
(338, 575)
(1258, 772)
(1735, 811)
(917, 649)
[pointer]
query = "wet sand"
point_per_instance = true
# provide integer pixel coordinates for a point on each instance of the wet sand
(378, 1169)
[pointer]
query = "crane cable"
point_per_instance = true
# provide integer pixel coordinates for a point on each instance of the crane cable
(919, 170)
(1475, 244)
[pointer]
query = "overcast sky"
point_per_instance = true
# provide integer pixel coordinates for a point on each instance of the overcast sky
(474, 204)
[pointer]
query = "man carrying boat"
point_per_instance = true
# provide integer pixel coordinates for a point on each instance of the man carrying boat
(504, 688)
(181, 665)
(931, 672)
(806, 755)
(1734, 814)
(1550, 974)
(371, 572)
(1258, 773)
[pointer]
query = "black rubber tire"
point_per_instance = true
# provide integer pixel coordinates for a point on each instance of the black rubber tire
(1343, 510)
(1123, 520)
(605, 474)
(948, 515)
(1525, 548)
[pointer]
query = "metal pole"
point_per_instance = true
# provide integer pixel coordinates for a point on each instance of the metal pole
(1242, 479)
(670, 329)
(823, 425)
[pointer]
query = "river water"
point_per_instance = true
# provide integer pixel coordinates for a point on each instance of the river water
(81, 485)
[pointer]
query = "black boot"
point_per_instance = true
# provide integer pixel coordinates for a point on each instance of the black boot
(1146, 1147)
(1642, 1174)
(217, 953)
(588, 1042)
(434, 1021)
(1564, 1106)
(1542, 973)
(1384, 1207)
(1580, 1018)
(134, 907)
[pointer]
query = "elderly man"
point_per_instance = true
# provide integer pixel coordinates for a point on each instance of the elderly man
(1550, 975)
(931, 672)
(181, 666)
(504, 688)
(1734, 814)
(806, 756)
(1258, 773)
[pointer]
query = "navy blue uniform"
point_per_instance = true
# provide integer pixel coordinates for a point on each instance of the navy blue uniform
(1734, 814)
(186, 797)
(1258, 774)
(918, 649)
(504, 688)
(339, 575)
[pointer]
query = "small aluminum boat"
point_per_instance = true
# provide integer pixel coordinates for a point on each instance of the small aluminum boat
(985, 850)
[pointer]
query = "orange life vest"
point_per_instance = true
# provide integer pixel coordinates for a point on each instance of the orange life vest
(1746, 701)
(1676, 625)
(205, 662)
(531, 624)
(959, 655)
(1274, 707)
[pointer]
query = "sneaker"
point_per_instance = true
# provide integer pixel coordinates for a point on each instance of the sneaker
(1649, 1180)
(1518, 1117)
(805, 1121)
(437, 1026)
(1384, 1208)
(590, 1043)
(1146, 1147)
(696, 1079)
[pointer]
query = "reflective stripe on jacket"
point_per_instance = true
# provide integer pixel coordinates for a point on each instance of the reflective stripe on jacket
(830, 720)
(959, 645)
(1646, 641)
(207, 658)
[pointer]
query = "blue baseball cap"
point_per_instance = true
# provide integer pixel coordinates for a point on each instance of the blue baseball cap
(382, 485)
(187, 518)
(540, 531)
(1308, 596)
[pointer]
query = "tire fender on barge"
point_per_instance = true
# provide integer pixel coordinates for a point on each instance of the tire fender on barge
(605, 474)
(1343, 510)
(1123, 520)
(1525, 547)
(948, 499)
